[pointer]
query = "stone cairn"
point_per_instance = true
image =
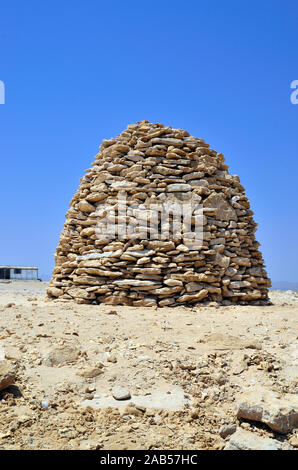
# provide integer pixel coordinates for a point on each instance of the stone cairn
(152, 164)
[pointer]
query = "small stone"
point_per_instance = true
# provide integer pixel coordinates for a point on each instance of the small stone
(112, 359)
(245, 425)
(121, 393)
(85, 206)
(182, 248)
(178, 187)
(132, 410)
(7, 375)
(253, 345)
(158, 420)
(227, 430)
(221, 378)
(294, 441)
(54, 292)
(193, 297)
(135, 283)
(90, 372)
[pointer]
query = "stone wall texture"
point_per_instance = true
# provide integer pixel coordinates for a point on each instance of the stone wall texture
(152, 264)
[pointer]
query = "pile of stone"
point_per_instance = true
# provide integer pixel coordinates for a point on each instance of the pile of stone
(119, 247)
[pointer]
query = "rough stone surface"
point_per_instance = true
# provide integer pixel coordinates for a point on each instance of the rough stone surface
(281, 415)
(246, 440)
(121, 393)
(7, 375)
(62, 355)
(227, 430)
(294, 441)
(90, 372)
(160, 165)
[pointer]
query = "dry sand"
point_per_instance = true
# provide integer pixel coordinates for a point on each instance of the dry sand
(185, 368)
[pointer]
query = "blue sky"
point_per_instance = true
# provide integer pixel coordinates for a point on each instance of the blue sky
(78, 72)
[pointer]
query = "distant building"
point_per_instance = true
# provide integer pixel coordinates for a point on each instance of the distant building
(22, 273)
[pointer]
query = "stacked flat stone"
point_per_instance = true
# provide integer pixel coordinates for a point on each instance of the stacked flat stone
(151, 162)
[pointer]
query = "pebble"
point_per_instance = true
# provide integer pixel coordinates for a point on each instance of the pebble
(227, 430)
(121, 393)
(294, 441)
(112, 359)
(90, 372)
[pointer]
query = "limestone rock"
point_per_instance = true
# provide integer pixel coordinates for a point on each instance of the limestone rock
(294, 441)
(178, 187)
(61, 355)
(280, 414)
(54, 292)
(89, 372)
(121, 393)
(85, 206)
(7, 375)
(135, 283)
(224, 210)
(227, 430)
(193, 297)
(246, 440)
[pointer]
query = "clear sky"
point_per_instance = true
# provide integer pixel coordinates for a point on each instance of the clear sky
(76, 72)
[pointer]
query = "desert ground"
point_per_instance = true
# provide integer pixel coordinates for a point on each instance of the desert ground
(183, 374)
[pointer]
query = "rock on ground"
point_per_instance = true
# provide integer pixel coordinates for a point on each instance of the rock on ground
(62, 355)
(7, 375)
(246, 440)
(120, 393)
(227, 430)
(281, 415)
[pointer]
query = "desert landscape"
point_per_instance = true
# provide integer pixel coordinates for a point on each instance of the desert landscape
(79, 376)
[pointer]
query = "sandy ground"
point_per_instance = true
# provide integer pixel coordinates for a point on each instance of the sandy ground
(185, 368)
